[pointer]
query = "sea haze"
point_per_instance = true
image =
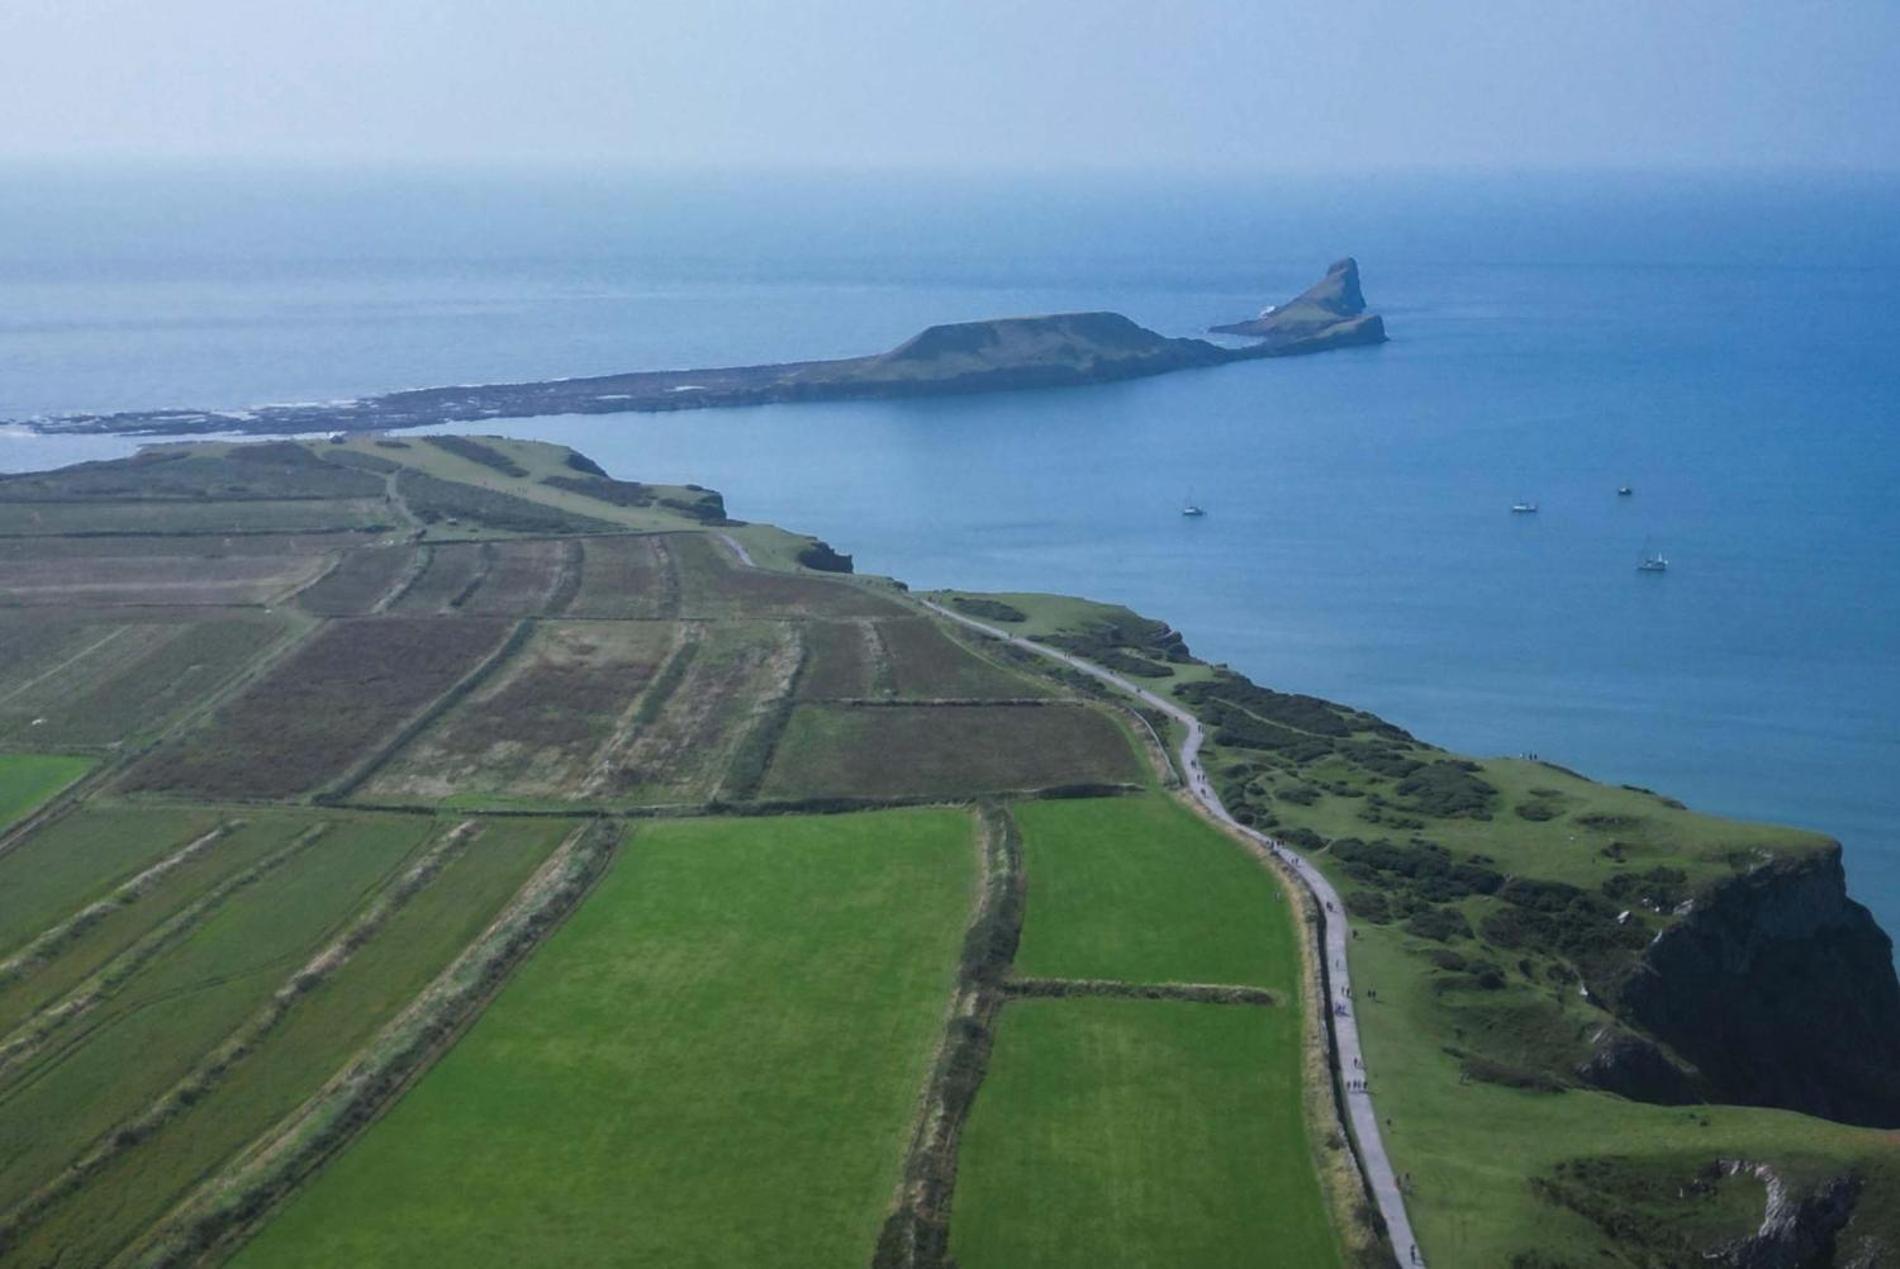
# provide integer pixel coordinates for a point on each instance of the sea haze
(1721, 344)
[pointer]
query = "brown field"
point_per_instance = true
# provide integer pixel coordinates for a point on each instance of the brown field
(359, 581)
(949, 751)
(98, 684)
(323, 710)
(843, 660)
(927, 663)
(537, 730)
(451, 572)
(712, 586)
(105, 578)
(520, 579)
(626, 577)
(679, 748)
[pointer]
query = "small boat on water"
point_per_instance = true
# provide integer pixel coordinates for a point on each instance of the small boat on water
(1523, 508)
(1652, 562)
(1191, 507)
(1624, 491)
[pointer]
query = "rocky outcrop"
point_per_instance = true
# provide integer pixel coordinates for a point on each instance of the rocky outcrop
(1781, 991)
(1798, 1231)
(1636, 1067)
(1329, 314)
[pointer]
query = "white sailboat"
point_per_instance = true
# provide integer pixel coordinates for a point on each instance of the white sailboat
(1652, 561)
(1191, 507)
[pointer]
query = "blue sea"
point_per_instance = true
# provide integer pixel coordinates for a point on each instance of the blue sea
(1723, 344)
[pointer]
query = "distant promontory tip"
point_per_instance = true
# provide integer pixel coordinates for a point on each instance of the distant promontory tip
(1329, 314)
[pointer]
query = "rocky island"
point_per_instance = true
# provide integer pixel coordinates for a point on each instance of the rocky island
(993, 355)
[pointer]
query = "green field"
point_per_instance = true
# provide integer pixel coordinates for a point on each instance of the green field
(714, 1062)
(1137, 1133)
(28, 779)
(327, 1025)
(1143, 890)
(149, 1030)
(947, 751)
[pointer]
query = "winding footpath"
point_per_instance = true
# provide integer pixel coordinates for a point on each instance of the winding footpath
(1381, 1180)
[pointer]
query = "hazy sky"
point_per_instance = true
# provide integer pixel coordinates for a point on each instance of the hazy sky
(1013, 83)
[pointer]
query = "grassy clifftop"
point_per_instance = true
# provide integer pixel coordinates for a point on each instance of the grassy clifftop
(1513, 919)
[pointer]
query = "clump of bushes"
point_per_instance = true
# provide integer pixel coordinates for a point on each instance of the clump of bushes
(1448, 789)
(476, 452)
(989, 609)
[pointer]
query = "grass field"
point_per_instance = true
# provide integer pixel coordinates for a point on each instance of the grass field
(28, 779)
(1143, 890)
(844, 660)
(539, 727)
(31, 519)
(107, 579)
(323, 709)
(714, 1062)
(450, 572)
(925, 662)
(946, 751)
(361, 579)
(318, 1035)
(681, 745)
(115, 683)
(626, 577)
(713, 586)
(155, 1025)
(1137, 1133)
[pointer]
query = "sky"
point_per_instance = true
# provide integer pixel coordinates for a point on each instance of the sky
(1257, 85)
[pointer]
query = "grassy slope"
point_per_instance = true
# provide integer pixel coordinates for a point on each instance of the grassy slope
(714, 1062)
(27, 780)
(1133, 1133)
(1141, 889)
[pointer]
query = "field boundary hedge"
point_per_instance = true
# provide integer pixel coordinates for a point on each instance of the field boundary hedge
(916, 1235)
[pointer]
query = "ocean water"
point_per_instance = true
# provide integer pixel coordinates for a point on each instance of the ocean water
(1722, 344)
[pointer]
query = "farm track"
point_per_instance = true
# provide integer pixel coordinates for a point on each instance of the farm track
(217, 1065)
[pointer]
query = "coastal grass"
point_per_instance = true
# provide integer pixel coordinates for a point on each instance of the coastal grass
(323, 1029)
(1472, 1148)
(948, 751)
(1141, 889)
(713, 586)
(1135, 1133)
(28, 779)
(148, 1031)
(535, 461)
(714, 1061)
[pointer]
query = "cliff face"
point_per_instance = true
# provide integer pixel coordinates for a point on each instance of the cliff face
(1781, 990)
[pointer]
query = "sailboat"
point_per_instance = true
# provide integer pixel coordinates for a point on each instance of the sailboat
(1191, 507)
(1652, 562)
(1523, 508)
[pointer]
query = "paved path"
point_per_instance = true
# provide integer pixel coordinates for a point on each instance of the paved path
(1380, 1178)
